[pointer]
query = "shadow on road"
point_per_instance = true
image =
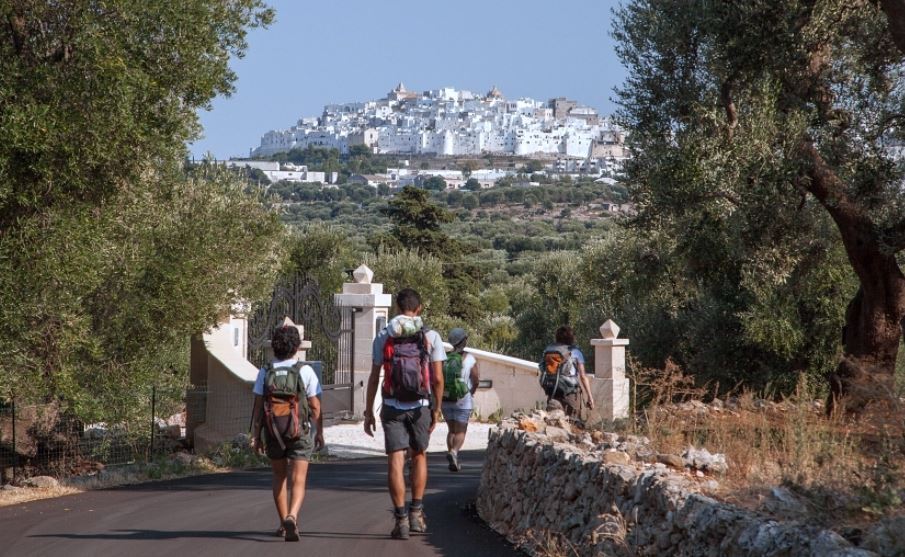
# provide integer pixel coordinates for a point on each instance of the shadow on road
(131, 535)
(342, 535)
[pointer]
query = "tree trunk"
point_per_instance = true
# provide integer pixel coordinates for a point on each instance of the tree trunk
(873, 320)
(873, 330)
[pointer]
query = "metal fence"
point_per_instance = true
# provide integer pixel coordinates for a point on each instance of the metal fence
(46, 439)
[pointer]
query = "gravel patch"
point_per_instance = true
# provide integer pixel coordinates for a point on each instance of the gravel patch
(349, 441)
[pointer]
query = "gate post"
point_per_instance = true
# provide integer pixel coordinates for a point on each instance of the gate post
(609, 384)
(373, 305)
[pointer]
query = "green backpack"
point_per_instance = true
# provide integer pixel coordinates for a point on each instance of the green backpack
(286, 414)
(454, 387)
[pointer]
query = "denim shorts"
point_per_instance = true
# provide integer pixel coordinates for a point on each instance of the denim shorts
(452, 413)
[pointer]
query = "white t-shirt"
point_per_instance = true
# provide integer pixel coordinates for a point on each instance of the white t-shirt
(306, 374)
(467, 401)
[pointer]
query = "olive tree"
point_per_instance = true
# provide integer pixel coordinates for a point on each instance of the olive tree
(112, 253)
(766, 133)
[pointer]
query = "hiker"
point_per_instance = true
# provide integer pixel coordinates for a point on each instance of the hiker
(412, 359)
(286, 405)
(562, 373)
(460, 381)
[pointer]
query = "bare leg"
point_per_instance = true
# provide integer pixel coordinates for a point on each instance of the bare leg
(419, 475)
(395, 479)
(299, 476)
(279, 486)
(459, 437)
(450, 438)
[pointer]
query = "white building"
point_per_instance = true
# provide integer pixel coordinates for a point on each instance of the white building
(450, 122)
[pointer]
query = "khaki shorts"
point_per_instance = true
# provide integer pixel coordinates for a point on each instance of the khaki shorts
(298, 450)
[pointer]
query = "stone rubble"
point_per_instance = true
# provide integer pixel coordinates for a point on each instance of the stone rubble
(605, 494)
(43, 482)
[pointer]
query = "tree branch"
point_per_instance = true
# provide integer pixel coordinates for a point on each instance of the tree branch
(826, 186)
(859, 235)
(729, 107)
(17, 30)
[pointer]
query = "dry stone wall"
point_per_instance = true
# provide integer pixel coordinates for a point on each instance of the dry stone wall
(542, 483)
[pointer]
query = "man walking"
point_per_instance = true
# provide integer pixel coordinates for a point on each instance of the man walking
(411, 357)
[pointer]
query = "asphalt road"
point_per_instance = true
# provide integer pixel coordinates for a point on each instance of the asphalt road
(347, 511)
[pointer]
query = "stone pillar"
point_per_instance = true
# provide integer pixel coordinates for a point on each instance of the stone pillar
(372, 305)
(609, 384)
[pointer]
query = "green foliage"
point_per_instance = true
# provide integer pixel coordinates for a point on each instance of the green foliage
(727, 238)
(411, 269)
(92, 97)
(434, 183)
(533, 166)
(111, 254)
(417, 223)
(472, 184)
(323, 253)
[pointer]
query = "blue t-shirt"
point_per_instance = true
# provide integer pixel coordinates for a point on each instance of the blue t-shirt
(577, 355)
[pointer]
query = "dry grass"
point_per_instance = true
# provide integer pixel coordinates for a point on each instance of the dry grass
(165, 469)
(33, 494)
(845, 469)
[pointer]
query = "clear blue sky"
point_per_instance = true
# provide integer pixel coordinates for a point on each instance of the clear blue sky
(318, 53)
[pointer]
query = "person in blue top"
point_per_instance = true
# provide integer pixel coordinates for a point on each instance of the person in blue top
(572, 403)
(289, 462)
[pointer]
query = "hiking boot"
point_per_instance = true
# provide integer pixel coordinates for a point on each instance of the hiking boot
(401, 529)
(416, 521)
(453, 460)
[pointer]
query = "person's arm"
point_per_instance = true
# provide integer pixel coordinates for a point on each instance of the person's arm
(257, 422)
(586, 385)
(314, 404)
(475, 378)
(373, 382)
(436, 392)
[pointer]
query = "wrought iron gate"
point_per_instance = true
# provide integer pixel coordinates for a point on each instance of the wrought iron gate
(329, 327)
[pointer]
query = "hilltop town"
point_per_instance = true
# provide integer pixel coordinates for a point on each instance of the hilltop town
(451, 122)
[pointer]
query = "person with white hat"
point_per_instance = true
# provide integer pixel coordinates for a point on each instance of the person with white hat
(460, 373)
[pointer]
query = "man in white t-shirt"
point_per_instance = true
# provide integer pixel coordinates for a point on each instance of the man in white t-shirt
(285, 343)
(408, 416)
(457, 411)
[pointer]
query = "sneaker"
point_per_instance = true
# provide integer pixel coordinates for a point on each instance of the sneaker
(453, 460)
(401, 529)
(416, 521)
(291, 529)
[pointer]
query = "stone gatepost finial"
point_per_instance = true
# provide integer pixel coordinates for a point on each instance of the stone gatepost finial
(609, 330)
(363, 274)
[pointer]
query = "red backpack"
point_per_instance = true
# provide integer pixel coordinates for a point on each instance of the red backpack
(406, 368)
